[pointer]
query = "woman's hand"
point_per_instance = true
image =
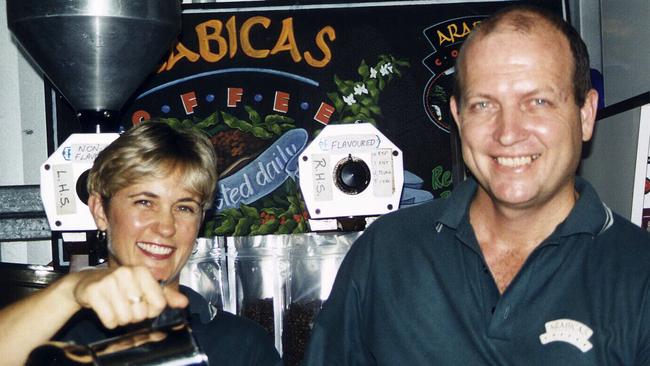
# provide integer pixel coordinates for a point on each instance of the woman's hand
(125, 295)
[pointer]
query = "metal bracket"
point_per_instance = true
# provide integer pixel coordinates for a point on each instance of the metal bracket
(22, 216)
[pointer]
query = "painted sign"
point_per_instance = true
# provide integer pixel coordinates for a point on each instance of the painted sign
(263, 80)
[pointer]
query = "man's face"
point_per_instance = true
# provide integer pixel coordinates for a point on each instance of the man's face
(520, 128)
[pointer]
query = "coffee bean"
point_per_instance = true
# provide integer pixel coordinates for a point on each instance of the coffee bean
(260, 311)
(297, 325)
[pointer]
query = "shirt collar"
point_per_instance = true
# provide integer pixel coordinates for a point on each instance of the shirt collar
(590, 215)
(458, 203)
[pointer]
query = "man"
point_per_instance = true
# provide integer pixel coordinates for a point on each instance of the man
(522, 264)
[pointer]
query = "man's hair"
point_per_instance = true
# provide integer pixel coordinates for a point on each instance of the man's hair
(155, 150)
(526, 19)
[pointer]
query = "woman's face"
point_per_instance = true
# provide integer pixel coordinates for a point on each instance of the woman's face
(153, 223)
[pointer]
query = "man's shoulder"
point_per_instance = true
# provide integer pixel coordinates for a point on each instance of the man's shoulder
(411, 227)
(622, 249)
(427, 213)
(625, 237)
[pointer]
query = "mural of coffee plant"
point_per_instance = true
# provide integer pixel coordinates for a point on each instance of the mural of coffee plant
(359, 99)
(238, 141)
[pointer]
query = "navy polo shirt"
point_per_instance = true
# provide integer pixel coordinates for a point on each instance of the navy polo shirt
(415, 290)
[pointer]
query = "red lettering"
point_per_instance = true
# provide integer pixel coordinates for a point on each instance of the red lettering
(189, 102)
(324, 113)
(281, 102)
(234, 96)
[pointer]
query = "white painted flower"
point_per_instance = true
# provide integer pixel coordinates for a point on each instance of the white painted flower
(386, 69)
(360, 89)
(373, 73)
(349, 100)
(437, 110)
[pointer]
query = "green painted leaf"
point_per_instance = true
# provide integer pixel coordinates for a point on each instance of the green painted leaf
(249, 211)
(375, 110)
(253, 115)
(363, 70)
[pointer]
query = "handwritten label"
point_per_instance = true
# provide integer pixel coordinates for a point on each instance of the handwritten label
(322, 177)
(80, 153)
(382, 172)
(349, 143)
(64, 189)
(264, 174)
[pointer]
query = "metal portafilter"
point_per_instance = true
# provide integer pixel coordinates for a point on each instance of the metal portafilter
(167, 340)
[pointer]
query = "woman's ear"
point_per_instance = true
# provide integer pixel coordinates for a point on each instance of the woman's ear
(96, 206)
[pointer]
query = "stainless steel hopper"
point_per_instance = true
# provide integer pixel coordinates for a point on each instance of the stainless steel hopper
(95, 52)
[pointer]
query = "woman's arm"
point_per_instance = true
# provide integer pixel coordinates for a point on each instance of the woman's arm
(32, 321)
(35, 319)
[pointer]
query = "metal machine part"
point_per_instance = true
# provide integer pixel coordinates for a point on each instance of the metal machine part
(350, 170)
(63, 183)
(96, 52)
(22, 216)
(164, 343)
(352, 175)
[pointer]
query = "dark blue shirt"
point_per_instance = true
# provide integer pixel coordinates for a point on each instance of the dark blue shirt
(415, 290)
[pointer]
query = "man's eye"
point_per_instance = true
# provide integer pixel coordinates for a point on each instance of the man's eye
(540, 102)
(481, 105)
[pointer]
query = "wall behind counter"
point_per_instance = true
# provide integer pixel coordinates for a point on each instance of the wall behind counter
(23, 140)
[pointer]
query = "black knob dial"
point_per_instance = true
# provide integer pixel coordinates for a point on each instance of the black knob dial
(352, 175)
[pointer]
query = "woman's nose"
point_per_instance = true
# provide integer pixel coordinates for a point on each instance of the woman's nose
(166, 224)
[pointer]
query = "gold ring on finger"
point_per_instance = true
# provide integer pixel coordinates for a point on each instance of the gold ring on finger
(135, 299)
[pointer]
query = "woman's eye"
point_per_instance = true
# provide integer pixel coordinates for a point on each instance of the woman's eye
(145, 203)
(188, 209)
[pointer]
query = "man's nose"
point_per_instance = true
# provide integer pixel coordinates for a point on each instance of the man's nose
(510, 126)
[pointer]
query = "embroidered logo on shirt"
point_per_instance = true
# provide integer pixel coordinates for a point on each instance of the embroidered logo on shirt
(569, 331)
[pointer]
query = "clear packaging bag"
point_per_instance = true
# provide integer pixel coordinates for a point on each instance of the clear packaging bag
(314, 261)
(258, 267)
(206, 272)
(281, 281)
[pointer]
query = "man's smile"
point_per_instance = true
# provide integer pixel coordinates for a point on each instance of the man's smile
(516, 161)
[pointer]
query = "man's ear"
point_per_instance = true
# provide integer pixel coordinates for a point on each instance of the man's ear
(96, 206)
(588, 113)
(453, 106)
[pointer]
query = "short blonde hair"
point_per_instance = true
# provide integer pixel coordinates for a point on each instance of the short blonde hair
(155, 149)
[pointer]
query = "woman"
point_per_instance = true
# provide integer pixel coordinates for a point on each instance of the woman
(148, 193)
